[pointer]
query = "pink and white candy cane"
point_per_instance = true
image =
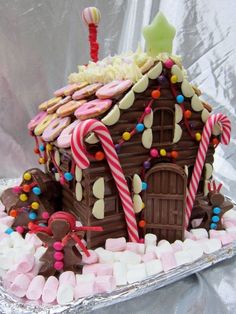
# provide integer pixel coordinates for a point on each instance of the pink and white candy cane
(201, 156)
(79, 154)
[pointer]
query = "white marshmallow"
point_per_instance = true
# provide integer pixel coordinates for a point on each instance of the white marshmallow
(17, 240)
(120, 273)
(150, 248)
(199, 233)
(117, 256)
(189, 235)
(115, 245)
(49, 293)
(177, 246)
(104, 256)
(182, 258)
(150, 239)
(211, 245)
(163, 248)
(137, 273)
(80, 279)
(65, 294)
(39, 252)
(7, 259)
(130, 258)
(7, 220)
(153, 267)
(3, 227)
(140, 248)
(188, 243)
(33, 239)
(216, 233)
(194, 252)
(67, 278)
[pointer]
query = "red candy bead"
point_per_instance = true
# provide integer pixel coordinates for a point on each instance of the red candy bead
(169, 63)
(154, 152)
(215, 141)
(99, 156)
(16, 189)
(187, 114)
(45, 215)
(30, 224)
(26, 188)
(58, 256)
(36, 150)
(13, 213)
(174, 154)
(142, 223)
(58, 265)
(147, 110)
(156, 94)
(20, 229)
(58, 246)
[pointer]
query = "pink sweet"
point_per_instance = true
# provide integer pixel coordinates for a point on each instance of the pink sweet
(25, 264)
(189, 235)
(20, 229)
(168, 63)
(132, 246)
(49, 293)
(20, 285)
(11, 275)
(98, 269)
(226, 239)
(148, 257)
(92, 108)
(91, 259)
(54, 128)
(67, 278)
(113, 89)
(45, 215)
(177, 246)
(7, 220)
(115, 245)
(84, 290)
(86, 91)
(58, 256)
(168, 261)
(63, 141)
(2, 207)
(60, 92)
(58, 265)
(104, 284)
(36, 120)
(35, 288)
(58, 246)
(16, 189)
(33, 239)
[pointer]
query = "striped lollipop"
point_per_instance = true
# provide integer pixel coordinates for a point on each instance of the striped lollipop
(91, 17)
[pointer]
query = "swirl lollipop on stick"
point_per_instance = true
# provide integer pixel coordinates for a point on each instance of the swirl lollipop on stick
(91, 16)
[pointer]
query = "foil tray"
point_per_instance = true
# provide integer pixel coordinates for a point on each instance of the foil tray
(13, 305)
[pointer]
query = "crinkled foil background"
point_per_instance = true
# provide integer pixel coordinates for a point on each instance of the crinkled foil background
(41, 42)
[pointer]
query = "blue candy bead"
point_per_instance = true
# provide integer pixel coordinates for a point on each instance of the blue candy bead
(216, 210)
(36, 190)
(139, 127)
(68, 176)
(215, 219)
(41, 147)
(32, 216)
(213, 226)
(180, 99)
(9, 230)
(144, 186)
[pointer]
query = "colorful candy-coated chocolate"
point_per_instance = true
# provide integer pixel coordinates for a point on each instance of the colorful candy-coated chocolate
(20, 229)
(156, 94)
(154, 152)
(180, 99)
(27, 176)
(42, 147)
(58, 256)
(173, 79)
(32, 216)
(26, 188)
(142, 223)
(144, 186)
(13, 213)
(23, 197)
(35, 205)
(58, 265)
(36, 190)
(139, 127)
(58, 246)
(9, 230)
(45, 215)
(213, 226)
(187, 114)
(126, 136)
(169, 63)
(174, 154)
(117, 147)
(36, 150)
(198, 136)
(163, 152)
(146, 164)
(162, 78)
(215, 141)
(68, 176)
(216, 210)
(215, 219)
(99, 156)
(62, 180)
(42, 161)
(148, 110)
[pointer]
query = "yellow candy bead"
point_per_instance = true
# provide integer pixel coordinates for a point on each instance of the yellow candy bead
(173, 79)
(41, 161)
(49, 147)
(23, 197)
(198, 136)
(35, 205)
(143, 205)
(126, 136)
(163, 152)
(27, 176)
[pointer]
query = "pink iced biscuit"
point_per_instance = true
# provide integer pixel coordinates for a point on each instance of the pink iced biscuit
(104, 284)
(20, 285)
(115, 245)
(60, 92)
(25, 264)
(113, 89)
(226, 239)
(86, 91)
(148, 257)
(67, 277)
(49, 293)
(64, 138)
(54, 128)
(168, 261)
(92, 259)
(93, 108)
(35, 288)
(36, 120)
(98, 269)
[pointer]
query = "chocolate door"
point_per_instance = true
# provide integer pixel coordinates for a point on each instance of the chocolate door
(165, 201)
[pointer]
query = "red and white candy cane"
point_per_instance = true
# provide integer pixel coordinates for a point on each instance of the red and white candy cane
(79, 155)
(201, 156)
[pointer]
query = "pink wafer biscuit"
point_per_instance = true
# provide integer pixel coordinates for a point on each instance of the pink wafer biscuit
(201, 156)
(64, 139)
(49, 293)
(113, 89)
(93, 108)
(36, 120)
(54, 128)
(62, 102)
(86, 91)
(81, 159)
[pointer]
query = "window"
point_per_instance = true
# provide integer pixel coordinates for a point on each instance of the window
(163, 126)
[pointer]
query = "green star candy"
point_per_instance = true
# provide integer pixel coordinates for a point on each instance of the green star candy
(159, 36)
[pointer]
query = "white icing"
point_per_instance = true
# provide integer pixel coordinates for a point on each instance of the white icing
(196, 103)
(137, 184)
(137, 201)
(208, 171)
(177, 133)
(178, 113)
(141, 85)
(205, 115)
(112, 117)
(187, 89)
(78, 191)
(155, 71)
(175, 70)
(92, 139)
(147, 138)
(148, 120)
(98, 209)
(127, 101)
(78, 174)
(99, 188)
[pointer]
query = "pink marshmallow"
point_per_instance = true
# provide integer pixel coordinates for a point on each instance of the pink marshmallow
(98, 269)
(177, 246)
(168, 261)
(50, 288)
(213, 234)
(20, 285)
(3, 235)
(25, 264)
(84, 290)
(11, 274)
(67, 277)
(92, 259)
(115, 245)
(226, 239)
(148, 257)
(132, 246)
(189, 235)
(7, 220)
(33, 239)
(35, 288)
(104, 284)
(2, 207)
